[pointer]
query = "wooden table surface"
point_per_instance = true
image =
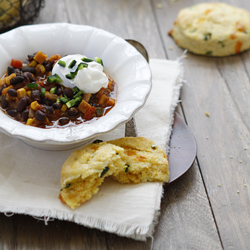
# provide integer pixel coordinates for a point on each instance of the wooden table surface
(207, 208)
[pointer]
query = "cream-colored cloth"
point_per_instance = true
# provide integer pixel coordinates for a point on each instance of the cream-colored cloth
(30, 178)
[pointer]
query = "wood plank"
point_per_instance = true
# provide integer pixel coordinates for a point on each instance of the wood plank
(219, 136)
(184, 204)
(124, 18)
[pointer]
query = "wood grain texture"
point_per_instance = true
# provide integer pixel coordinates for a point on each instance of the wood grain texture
(219, 87)
(214, 194)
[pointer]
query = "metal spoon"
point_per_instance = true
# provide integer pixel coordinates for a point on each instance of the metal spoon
(130, 130)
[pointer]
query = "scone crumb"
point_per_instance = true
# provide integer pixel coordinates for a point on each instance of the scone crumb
(219, 185)
(207, 114)
(159, 6)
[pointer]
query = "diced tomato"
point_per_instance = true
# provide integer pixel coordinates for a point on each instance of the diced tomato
(89, 113)
(16, 63)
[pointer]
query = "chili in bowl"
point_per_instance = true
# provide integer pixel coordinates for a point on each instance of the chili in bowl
(45, 112)
(30, 93)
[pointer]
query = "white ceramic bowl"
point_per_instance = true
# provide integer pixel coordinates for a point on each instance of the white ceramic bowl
(121, 61)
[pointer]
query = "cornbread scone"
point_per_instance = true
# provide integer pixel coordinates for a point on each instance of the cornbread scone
(127, 160)
(145, 161)
(85, 170)
(214, 29)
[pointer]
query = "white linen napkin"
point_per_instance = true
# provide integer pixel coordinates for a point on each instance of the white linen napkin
(30, 178)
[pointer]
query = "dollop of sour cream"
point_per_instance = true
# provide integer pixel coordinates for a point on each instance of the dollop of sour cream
(89, 79)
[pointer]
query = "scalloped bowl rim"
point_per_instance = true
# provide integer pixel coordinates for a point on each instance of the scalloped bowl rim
(123, 63)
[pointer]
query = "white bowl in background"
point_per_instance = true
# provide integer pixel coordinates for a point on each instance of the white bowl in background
(122, 62)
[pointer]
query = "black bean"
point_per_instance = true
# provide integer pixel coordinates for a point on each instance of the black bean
(21, 105)
(68, 92)
(25, 115)
(47, 101)
(29, 69)
(12, 92)
(48, 66)
(16, 80)
(28, 101)
(36, 95)
(59, 91)
(10, 70)
(29, 76)
(4, 103)
(63, 121)
(30, 57)
(40, 116)
(57, 105)
(12, 112)
(49, 109)
(2, 87)
(73, 111)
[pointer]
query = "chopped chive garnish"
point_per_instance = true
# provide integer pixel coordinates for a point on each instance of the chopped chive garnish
(54, 79)
(43, 91)
(82, 65)
(127, 168)
(71, 75)
(79, 93)
(105, 170)
(78, 100)
(99, 60)
(32, 85)
(62, 63)
(53, 90)
(64, 99)
(209, 52)
(207, 36)
(68, 185)
(71, 103)
(72, 64)
(85, 59)
(58, 100)
(75, 90)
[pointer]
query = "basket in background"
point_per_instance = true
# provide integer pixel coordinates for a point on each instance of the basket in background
(14, 13)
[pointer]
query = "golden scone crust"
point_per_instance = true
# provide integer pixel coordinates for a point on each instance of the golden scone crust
(85, 169)
(214, 29)
(145, 161)
(127, 160)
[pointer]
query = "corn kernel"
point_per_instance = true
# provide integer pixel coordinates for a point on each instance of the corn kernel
(8, 78)
(33, 64)
(29, 121)
(2, 81)
(63, 108)
(40, 57)
(28, 93)
(21, 93)
(40, 69)
(34, 105)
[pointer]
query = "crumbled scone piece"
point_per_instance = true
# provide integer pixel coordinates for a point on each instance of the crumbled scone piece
(127, 160)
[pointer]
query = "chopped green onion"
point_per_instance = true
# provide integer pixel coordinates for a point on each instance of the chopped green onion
(64, 99)
(99, 60)
(54, 79)
(71, 75)
(62, 63)
(71, 103)
(32, 85)
(58, 100)
(78, 100)
(209, 52)
(72, 64)
(85, 59)
(105, 170)
(43, 91)
(82, 65)
(75, 90)
(53, 90)
(127, 168)
(79, 93)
